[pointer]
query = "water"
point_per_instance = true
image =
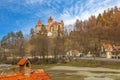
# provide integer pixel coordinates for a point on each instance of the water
(2, 66)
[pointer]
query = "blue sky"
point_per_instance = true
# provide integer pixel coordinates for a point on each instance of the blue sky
(23, 14)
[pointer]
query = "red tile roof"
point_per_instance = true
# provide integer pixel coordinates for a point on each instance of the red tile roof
(116, 47)
(22, 61)
(54, 24)
(39, 22)
(19, 76)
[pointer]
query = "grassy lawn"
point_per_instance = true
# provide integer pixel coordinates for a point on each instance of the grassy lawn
(94, 63)
(83, 63)
(62, 75)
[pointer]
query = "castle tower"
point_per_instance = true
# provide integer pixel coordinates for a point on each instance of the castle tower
(50, 20)
(62, 26)
(25, 66)
(38, 27)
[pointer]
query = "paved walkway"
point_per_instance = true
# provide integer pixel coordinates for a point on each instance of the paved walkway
(98, 73)
(84, 69)
(98, 58)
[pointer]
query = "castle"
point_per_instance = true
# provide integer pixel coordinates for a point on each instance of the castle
(53, 28)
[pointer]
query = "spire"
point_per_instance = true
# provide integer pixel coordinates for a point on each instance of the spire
(39, 22)
(62, 21)
(50, 20)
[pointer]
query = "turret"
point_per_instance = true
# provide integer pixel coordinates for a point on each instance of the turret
(50, 20)
(62, 21)
(39, 22)
(62, 27)
(38, 26)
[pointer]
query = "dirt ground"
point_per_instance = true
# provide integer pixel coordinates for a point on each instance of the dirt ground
(83, 73)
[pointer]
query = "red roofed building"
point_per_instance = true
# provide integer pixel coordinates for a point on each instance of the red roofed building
(22, 61)
(116, 48)
(108, 48)
(38, 26)
(112, 51)
(26, 73)
(39, 22)
(25, 66)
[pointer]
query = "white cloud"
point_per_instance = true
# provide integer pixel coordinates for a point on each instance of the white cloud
(34, 1)
(84, 11)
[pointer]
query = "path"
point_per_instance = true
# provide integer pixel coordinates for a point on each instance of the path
(98, 73)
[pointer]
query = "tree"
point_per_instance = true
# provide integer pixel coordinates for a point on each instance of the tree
(40, 42)
(103, 28)
(19, 35)
(31, 32)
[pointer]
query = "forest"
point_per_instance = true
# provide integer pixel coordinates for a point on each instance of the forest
(87, 36)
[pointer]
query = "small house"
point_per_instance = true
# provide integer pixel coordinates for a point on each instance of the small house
(25, 72)
(108, 49)
(25, 66)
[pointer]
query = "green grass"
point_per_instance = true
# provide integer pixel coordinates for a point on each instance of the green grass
(43, 66)
(64, 77)
(83, 63)
(105, 72)
(94, 63)
(61, 75)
